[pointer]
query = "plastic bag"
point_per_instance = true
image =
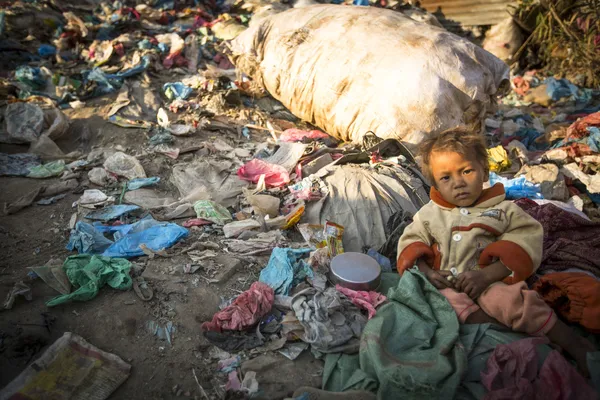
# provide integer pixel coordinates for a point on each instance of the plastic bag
(88, 274)
(177, 90)
(498, 159)
(24, 122)
(124, 165)
(85, 239)
(275, 175)
(212, 211)
(99, 176)
(53, 168)
(264, 204)
(142, 182)
(298, 135)
(351, 89)
(156, 238)
(518, 187)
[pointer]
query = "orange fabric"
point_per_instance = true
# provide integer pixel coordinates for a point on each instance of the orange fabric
(411, 254)
(575, 296)
(486, 194)
(512, 256)
(517, 307)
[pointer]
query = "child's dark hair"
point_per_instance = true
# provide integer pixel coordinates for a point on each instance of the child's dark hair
(459, 140)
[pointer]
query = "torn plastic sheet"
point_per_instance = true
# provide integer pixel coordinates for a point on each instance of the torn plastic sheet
(208, 180)
(163, 332)
(138, 183)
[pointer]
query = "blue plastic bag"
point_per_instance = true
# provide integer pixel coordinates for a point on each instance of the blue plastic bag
(177, 90)
(111, 212)
(157, 237)
(383, 261)
(86, 239)
(517, 188)
(286, 268)
(45, 50)
(138, 183)
(108, 83)
(31, 76)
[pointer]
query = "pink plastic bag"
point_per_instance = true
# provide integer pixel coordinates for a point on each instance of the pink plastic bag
(245, 311)
(298, 135)
(275, 175)
(196, 222)
(363, 299)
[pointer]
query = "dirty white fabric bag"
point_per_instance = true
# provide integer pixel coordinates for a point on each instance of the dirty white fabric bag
(351, 70)
(362, 199)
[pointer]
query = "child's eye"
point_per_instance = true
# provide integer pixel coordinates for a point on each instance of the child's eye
(467, 171)
(444, 178)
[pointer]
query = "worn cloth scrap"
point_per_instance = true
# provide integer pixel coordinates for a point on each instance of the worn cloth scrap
(246, 310)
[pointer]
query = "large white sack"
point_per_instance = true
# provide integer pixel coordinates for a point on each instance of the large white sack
(350, 70)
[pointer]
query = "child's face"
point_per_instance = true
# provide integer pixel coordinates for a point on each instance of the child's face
(458, 178)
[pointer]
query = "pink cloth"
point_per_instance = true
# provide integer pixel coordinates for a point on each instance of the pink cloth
(246, 310)
(275, 175)
(462, 304)
(515, 306)
(512, 373)
(298, 135)
(362, 299)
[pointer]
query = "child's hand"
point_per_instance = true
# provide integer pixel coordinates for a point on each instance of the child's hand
(436, 278)
(473, 283)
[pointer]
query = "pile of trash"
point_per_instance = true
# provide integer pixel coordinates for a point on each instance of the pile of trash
(235, 153)
(563, 37)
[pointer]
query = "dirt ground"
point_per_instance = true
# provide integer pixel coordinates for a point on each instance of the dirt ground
(116, 321)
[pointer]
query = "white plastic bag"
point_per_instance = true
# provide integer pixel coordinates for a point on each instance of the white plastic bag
(351, 70)
(124, 165)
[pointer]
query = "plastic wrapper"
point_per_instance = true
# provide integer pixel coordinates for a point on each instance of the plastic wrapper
(212, 211)
(333, 235)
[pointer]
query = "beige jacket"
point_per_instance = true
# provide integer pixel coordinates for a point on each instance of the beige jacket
(469, 238)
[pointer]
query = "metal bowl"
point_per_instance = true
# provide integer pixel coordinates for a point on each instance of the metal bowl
(356, 271)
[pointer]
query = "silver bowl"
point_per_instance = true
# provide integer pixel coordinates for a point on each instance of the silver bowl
(356, 271)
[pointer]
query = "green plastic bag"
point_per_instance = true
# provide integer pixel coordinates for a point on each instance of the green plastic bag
(47, 170)
(89, 273)
(211, 211)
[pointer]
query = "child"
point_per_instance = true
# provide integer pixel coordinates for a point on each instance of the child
(490, 244)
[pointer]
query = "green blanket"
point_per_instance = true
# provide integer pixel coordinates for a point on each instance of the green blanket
(414, 348)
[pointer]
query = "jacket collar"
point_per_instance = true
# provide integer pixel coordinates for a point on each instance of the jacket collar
(489, 197)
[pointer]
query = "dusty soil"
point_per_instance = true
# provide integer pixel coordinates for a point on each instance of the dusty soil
(116, 321)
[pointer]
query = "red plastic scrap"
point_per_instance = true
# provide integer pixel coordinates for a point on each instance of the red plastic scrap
(298, 135)
(275, 175)
(246, 310)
